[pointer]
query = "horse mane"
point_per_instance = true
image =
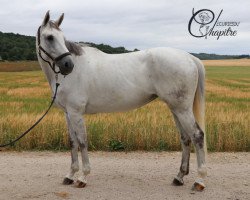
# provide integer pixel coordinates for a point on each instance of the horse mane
(74, 48)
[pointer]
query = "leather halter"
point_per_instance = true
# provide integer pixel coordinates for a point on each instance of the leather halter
(54, 60)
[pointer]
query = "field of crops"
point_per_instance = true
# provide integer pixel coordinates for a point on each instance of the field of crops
(24, 95)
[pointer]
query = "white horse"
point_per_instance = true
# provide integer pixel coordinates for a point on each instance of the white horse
(93, 82)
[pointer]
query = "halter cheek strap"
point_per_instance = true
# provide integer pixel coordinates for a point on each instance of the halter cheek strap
(54, 60)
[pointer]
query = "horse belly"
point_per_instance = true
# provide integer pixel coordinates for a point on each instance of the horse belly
(118, 103)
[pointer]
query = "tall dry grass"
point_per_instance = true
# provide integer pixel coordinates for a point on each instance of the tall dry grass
(25, 95)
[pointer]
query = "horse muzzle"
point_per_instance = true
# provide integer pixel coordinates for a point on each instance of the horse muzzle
(65, 65)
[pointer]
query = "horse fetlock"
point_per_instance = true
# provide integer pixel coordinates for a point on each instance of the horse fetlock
(202, 171)
(75, 167)
(82, 144)
(185, 172)
(86, 170)
(184, 169)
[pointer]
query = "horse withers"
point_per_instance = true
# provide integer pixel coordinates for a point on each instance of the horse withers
(95, 82)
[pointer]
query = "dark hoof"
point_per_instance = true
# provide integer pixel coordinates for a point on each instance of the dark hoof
(67, 181)
(198, 186)
(80, 184)
(178, 182)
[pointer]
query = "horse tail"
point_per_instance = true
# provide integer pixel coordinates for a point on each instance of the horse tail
(199, 99)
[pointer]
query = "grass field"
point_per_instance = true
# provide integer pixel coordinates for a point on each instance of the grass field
(24, 95)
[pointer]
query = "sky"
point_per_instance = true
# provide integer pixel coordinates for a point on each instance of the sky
(133, 24)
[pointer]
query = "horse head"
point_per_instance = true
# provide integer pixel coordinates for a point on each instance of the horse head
(51, 45)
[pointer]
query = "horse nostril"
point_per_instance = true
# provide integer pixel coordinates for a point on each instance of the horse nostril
(66, 64)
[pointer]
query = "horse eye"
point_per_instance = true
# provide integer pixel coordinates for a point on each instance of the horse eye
(50, 38)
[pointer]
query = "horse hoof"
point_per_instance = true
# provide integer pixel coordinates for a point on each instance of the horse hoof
(177, 181)
(80, 184)
(67, 181)
(198, 186)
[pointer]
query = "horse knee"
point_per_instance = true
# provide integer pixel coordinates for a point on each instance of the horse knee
(73, 143)
(82, 140)
(82, 144)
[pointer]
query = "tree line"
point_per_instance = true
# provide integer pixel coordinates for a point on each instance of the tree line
(16, 47)
(206, 56)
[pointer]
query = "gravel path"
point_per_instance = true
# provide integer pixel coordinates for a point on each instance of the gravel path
(136, 175)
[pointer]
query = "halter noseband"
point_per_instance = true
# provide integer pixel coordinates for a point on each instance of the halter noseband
(54, 60)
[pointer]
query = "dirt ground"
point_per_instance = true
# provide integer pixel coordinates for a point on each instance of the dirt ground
(135, 175)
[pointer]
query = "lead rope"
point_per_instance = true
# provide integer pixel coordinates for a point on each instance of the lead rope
(52, 66)
(38, 121)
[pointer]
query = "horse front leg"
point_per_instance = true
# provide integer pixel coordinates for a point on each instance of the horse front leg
(79, 129)
(69, 178)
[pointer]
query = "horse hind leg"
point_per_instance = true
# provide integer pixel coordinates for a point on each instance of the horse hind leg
(185, 143)
(190, 126)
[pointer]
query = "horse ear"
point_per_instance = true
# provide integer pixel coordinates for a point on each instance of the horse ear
(59, 21)
(46, 18)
